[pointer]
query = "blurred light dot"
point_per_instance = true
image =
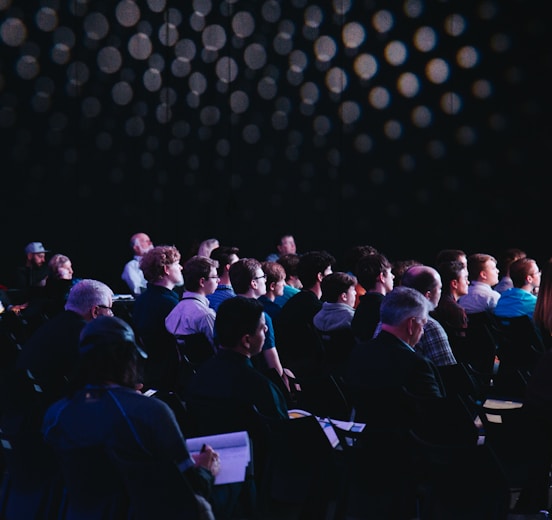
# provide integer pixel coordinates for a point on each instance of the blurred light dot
(395, 53)
(223, 147)
(45, 85)
(139, 46)
(279, 120)
(91, 107)
(181, 129)
(413, 8)
(157, 6)
(27, 67)
(255, 56)
(342, 6)
(271, 11)
(202, 6)
(467, 57)
(13, 31)
(64, 36)
(313, 16)
(60, 53)
(104, 141)
(455, 25)
(392, 129)
(283, 43)
(96, 26)
(267, 88)
(41, 102)
(197, 83)
(487, 10)
(168, 34)
(407, 162)
(421, 117)
(243, 24)
(58, 121)
(379, 97)
(377, 176)
(213, 37)
(466, 136)
(251, 134)
(363, 143)
(437, 70)
(156, 61)
(353, 35)
(197, 22)
(325, 48)
(135, 126)
(226, 69)
(298, 61)
(425, 39)
(336, 80)
(349, 112)
(239, 102)
(109, 60)
(46, 19)
(309, 93)
(451, 103)
(482, 89)
(78, 73)
(500, 42)
(181, 67)
(382, 21)
(365, 66)
(127, 13)
(163, 113)
(152, 80)
(209, 116)
(322, 125)
(436, 149)
(122, 93)
(408, 84)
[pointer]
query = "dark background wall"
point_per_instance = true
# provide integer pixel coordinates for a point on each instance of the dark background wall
(411, 126)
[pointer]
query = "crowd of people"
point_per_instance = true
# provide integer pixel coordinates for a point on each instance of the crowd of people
(233, 338)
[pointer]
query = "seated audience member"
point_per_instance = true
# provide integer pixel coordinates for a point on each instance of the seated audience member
(451, 255)
(106, 414)
(225, 256)
(350, 262)
(483, 275)
(520, 300)
(434, 344)
(542, 316)
(192, 315)
(400, 267)
(132, 275)
(59, 282)
(505, 260)
(453, 318)
(293, 285)
(227, 393)
(296, 335)
(33, 273)
(51, 353)
(249, 280)
(163, 272)
(275, 282)
(338, 298)
(285, 246)
(374, 274)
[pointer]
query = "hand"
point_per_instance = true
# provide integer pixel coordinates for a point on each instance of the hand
(209, 459)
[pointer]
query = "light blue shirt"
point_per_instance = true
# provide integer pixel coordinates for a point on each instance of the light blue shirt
(515, 302)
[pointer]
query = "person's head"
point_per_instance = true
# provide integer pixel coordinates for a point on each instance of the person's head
(454, 276)
(354, 254)
(290, 262)
(542, 316)
(404, 311)
(90, 299)
(509, 256)
(140, 243)
(286, 245)
(207, 246)
(248, 278)
(482, 268)
(161, 266)
(240, 325)
(35, 254)
(374, 273)
(400, 267)
(108, 353)
(275, 278)
(313, 266)
(339, 287)
(225, 256)
(200, 275)
(426, 280)
(60, 267)
(525, 274)
(451, 255)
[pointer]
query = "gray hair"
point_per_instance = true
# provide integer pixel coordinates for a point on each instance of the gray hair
(86, 294)
(403, 303)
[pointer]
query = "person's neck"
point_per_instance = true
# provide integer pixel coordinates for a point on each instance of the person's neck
(315, 289)
(163, 282)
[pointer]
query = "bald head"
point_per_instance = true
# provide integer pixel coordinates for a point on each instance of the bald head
(424, 279)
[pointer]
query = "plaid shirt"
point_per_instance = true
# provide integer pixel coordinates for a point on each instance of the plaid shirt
(435, 345)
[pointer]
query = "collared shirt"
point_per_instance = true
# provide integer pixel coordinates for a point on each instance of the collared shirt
(516, 302)
(481, 297)
(134, 277)
(222, 292)
(192, 315)
(435, 345)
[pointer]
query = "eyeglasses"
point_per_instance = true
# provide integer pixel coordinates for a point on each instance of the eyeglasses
(260, 277)
(106, 308)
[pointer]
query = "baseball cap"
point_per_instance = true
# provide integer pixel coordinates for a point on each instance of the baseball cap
(35, 247)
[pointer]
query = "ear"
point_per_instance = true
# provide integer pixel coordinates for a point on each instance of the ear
(343, 297)
(320, 276)
(272, 286)
(202, 282)
(454, 284)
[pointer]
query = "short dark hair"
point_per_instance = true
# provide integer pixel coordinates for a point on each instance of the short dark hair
(222, 255)
(195, 269)
(520, 269)
(336, 284)
(448, 255)
(369, 267)
(450, 271)
(242, 273)
(274, 272)
(289, 262)
(312, 263)
(236, 317)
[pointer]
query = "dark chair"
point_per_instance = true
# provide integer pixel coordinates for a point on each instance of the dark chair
(460, 380)
(337, 344)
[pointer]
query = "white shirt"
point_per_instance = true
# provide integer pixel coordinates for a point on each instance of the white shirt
(134, 277)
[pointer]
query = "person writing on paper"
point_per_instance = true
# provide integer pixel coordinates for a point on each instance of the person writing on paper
(105, 409)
